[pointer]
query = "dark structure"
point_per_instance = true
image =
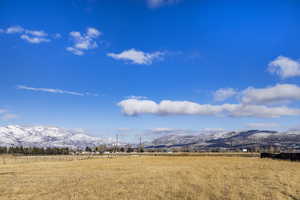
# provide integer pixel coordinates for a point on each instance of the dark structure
(282, 156)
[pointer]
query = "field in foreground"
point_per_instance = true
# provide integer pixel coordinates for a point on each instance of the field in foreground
(149, 177)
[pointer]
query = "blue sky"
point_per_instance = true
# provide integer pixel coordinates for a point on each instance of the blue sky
(136, 65)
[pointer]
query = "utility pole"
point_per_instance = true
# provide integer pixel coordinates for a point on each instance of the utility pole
(117, 141)
(140, 143)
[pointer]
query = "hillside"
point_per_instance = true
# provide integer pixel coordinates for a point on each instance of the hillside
(46, 136)
(234, 139)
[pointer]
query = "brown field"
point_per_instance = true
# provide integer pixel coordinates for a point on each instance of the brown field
(148, 177)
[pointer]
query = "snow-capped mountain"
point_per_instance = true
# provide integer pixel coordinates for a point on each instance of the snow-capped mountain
(199, 137)
(230, 139)
(186, 138)
(50, 136)
(46, 136)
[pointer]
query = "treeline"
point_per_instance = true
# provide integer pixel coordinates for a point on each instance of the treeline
(112, 149)
(102, 149)
(34, 150)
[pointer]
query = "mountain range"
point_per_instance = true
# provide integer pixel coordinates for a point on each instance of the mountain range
(50, 136)
(46, 136)
(231, 139)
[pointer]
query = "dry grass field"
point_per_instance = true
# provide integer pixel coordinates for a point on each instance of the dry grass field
(148, 177)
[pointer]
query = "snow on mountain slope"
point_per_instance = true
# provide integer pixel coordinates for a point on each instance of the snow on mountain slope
(216, 137)
(292, 132)
(202, 136)
(263, 134)
(46, 136)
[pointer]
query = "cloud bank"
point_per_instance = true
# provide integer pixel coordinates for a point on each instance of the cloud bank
(134, 107)
(253, 102)
(280, 93)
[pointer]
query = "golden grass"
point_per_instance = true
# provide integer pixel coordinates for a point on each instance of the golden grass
(149, 177)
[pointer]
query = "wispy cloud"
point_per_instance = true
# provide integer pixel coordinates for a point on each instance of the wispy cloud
(159, 3)
(284, 67)
(75, 51)
(136, 97)
(9, 116)
(34, 40)
(5, 115)
(224, 93)
(165, 130)
(14, 29)
(83, 41)
(56, 91)
(31, 36)
(36, 33)
(158, 132)
(137, 57)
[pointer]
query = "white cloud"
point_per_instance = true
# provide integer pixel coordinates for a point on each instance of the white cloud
(260, 125)
(280, 93)
(34, 40)
(284, 67)
(224, 93)
(57, 91)
(164, 130)
(75, 51)
(159, 3)
(136, 97)
(154, 132)
(83, 42)
(36, 33)
(134, 107)
(179, 131)
(137, 57)
(93, 32)
(31, 36)
(91, 94)
(14, 29)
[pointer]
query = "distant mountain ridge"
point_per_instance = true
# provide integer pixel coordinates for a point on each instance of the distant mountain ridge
(46, 136)
(233, 139)
(50, 136)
